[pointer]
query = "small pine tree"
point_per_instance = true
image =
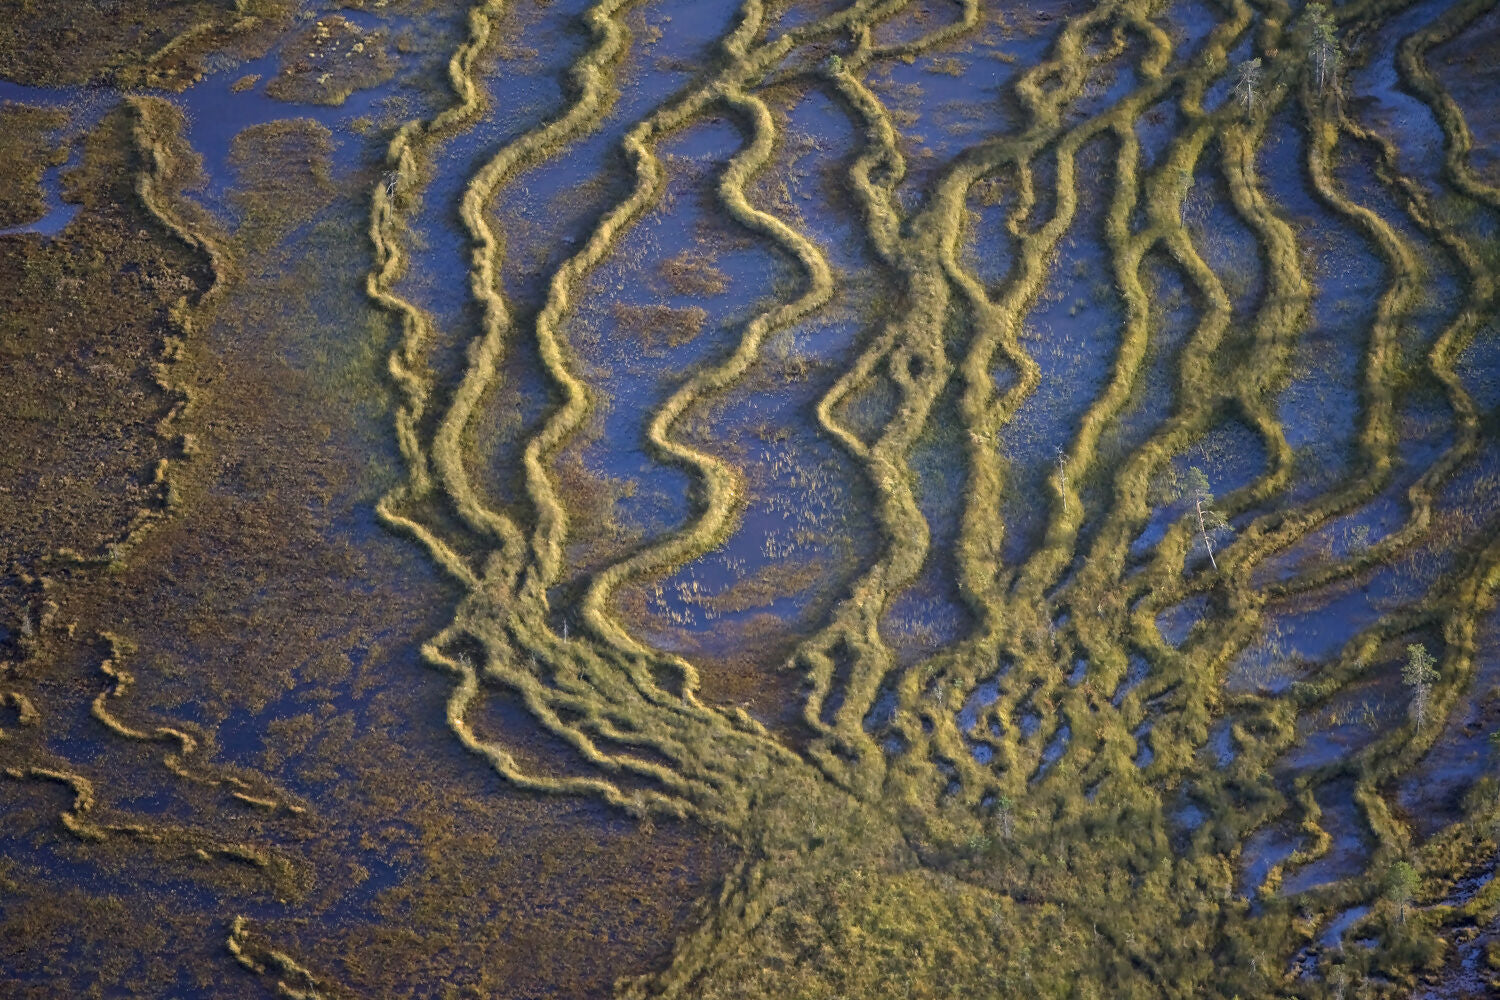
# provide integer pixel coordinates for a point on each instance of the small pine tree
(1005, 815)
(1419, 673)
(1323, 45)
(1247, 85)
(1338, 982)
(1401, 886)
(1210, 522)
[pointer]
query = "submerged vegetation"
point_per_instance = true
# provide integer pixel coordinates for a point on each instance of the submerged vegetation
(1025, 481)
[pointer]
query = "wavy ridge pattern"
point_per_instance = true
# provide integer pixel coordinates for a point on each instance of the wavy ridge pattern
(1063, 771)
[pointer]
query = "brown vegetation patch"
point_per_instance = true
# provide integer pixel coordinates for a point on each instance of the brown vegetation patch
(81, 335)
(660, 327)
(133, 42)
(283, 169)
(331, 59)
(692, 273)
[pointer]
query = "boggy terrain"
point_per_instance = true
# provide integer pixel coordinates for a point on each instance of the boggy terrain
(987, 501)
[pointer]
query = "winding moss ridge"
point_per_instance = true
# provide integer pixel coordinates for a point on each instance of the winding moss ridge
(156, 127)
(293, 980)
(1051, 862)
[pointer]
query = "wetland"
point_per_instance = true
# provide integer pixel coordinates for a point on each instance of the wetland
(750, 499)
